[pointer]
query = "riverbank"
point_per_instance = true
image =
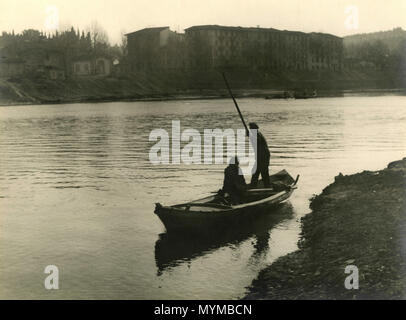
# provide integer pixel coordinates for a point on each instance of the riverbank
(358, 220)
(200, 85)
(194, 95)
(93, 90)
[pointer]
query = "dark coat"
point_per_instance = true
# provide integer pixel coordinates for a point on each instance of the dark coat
(262, 151)
(234, 183)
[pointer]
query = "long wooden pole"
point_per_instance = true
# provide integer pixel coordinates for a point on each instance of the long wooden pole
(235, 102)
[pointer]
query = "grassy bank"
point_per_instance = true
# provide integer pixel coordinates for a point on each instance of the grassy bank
(186, 85)
(358, 220)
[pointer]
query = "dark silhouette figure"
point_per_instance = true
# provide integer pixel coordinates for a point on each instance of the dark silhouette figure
(262, 159)
(234, 183)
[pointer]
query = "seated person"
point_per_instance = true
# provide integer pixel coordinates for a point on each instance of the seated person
(234, 183)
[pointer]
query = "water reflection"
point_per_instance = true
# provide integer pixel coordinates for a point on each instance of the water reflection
(77, 190)
(174, 248)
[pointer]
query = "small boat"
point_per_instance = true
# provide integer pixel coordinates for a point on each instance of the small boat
(283, 95)
(305, 95)
(216, 211)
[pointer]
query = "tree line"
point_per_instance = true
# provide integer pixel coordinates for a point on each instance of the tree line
(70, 43)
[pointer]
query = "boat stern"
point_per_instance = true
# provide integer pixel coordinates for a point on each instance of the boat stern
(158, 207)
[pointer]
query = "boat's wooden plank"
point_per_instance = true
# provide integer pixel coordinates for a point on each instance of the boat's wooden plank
(209, 205)
(264, 190)
(258, 202)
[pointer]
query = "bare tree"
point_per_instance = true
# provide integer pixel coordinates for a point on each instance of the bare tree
(98, 35)
(123, 44)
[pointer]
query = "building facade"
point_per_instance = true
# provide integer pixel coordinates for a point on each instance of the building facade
(55, 73)
(213, 46)
(92, 66)
(155, 49)
(325, 52)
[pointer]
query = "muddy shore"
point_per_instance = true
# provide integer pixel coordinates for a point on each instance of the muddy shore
(358, 220)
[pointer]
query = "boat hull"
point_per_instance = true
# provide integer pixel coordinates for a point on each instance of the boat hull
(177, 219)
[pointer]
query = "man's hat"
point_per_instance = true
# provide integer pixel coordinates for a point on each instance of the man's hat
(253, 125)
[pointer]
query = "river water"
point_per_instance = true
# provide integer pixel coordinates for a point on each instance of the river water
(77, 191)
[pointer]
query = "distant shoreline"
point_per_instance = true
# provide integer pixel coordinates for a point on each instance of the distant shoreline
(240, 94)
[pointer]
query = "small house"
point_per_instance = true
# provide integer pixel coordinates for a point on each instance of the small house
(82, 67)
(103, 66)
(55, 73)
(92, 66)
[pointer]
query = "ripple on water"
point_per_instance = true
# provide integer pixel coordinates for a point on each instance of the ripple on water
(77, 190)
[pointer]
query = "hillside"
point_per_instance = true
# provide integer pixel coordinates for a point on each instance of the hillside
(187, 85)
(392, 38)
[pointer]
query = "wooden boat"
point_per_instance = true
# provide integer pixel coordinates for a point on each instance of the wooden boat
(305, 95)
(283, 95)
(215, 211)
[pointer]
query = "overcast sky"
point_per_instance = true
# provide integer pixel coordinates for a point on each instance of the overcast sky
(130, 15)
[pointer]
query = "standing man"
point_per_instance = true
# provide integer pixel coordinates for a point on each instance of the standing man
(263, 156)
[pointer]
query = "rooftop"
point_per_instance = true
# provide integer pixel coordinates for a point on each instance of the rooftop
(232, 28)
(148, 30)
(218, 27)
